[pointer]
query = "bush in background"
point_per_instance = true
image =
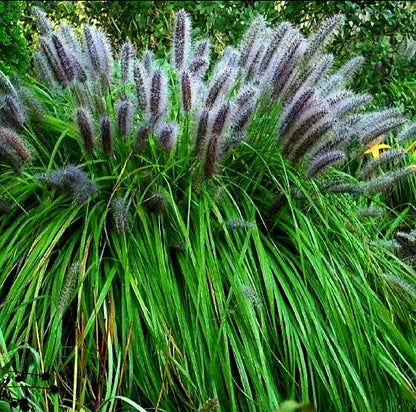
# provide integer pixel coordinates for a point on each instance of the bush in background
(13, 47)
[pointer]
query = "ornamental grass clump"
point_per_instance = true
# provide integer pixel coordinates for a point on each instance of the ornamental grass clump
(212, 263)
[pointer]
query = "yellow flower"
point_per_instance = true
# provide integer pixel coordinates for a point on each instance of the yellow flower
(376, 149)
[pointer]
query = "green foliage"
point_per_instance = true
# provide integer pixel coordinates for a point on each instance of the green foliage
(206, 296)
(14, 55)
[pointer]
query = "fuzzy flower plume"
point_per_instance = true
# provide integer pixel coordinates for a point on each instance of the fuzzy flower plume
(201, 133)
(106, 136)
(140, 80)
(65, 59)
(42, 22)
(219, 87)
(12, 112)
(69, 287)
(148, 58)
(168, 136)
(120, 214)
(321, 37)
(186, 91)
(86, 129)
(181, 39)
(12, 149)
(318, 165)
(126, 59)
(52, 59)
(125, 117)
(158, 94)
(142, 136)
(72, 181)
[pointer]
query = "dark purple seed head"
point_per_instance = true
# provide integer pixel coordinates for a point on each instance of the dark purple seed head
(10, 156)
(42, 69)
(148, 58)
(181, 39)
(168, 135)
(72, 181)
(12, 140)
(221, 118)
(242, 118)
(158, 93)
(125, 117)
(85, 127)
(157, 202)
(12, 112)
(218, 87)
(212, 157)
(91, 48)
(53, 61)
(6, 86)
(106, 136)
(201, 133)
(197, 67)
(186, 91)
(202, 49)
(65, 58)
(81, 74)
(319, 164)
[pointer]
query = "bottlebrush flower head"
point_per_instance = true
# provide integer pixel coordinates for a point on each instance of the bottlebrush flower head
(106, 136)
(147, 60)
(54, 63)
(142, 87)
(322, 35)
(68, 288)
(126, 59)
(201, 133)
(72, 181)
(12, 112)
(181, 39)
(125, 117)
(86, 129)
(220, 119)
(158, 94)
(319, 164)
(219, 86)
(65, 58)
(202, 49)
(6, 86)
(251, 41)
(13, 143)
(168, 135)
(186, 91)
(42, 22)
(120, 214)
(142, 135)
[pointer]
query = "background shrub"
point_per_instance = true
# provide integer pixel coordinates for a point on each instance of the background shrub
(13, 47)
